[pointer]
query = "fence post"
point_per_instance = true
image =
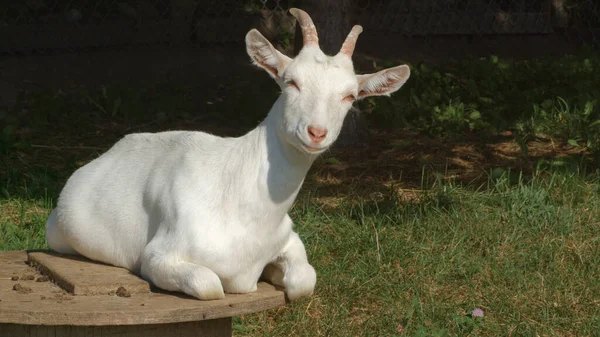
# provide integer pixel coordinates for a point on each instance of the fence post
(559, 15)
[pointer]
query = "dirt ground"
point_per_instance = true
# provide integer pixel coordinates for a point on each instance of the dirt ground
(404, 158)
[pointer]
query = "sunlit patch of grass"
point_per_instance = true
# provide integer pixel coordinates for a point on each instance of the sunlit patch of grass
(526, 254)
(22, 223)
(26, 199)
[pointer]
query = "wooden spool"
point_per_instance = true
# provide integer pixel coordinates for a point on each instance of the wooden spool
(68, 296)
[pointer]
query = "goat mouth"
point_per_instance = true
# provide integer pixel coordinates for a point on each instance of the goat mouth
(312, 149)
(302, 145)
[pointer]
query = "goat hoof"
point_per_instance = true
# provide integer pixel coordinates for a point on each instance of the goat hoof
(206, 288)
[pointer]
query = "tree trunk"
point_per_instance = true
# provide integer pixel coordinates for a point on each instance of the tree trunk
(334, 19)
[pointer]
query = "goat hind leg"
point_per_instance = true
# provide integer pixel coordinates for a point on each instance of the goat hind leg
(170, 273)
(54, 236)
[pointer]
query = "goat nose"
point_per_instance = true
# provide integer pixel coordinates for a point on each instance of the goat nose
(316, 134)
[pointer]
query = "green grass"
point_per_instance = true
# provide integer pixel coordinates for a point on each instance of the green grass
(26, 199)
(526, 253)
(22, 224)
(439, 99)
(556, 96)
(525, 249)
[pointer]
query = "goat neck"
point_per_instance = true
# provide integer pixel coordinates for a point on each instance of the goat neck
(284, 167)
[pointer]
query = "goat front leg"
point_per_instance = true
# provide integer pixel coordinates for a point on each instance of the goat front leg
(292, 271)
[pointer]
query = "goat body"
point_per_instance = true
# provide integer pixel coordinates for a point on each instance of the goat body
(206, 215)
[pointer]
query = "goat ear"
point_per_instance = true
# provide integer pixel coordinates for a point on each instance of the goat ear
(382, 83)
(264, 55)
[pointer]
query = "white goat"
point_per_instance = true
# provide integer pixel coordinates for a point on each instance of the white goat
(206, 215)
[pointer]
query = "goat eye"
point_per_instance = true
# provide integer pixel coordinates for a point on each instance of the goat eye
(349, 98)
(292, 84)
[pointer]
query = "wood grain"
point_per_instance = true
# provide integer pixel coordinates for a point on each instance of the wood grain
(81, 276)
(212, 328)
(48, 304)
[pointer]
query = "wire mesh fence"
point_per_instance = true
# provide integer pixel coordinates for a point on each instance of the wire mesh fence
(40, 25)
(43, 25)
(452, 17)
(575, 18)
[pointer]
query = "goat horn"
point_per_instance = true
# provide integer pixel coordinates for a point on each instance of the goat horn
(350, 42)
(309, 31)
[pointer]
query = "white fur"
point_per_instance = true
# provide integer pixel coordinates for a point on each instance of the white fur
(205, 215)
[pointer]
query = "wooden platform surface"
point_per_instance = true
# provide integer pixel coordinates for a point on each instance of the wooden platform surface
(32, 300)
(81, 276)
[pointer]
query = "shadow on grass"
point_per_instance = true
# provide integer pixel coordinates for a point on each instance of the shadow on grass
(407, 163)
(48, 134)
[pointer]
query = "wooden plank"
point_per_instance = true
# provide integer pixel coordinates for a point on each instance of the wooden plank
(81, 276)
(48, 304)
(212, 328)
